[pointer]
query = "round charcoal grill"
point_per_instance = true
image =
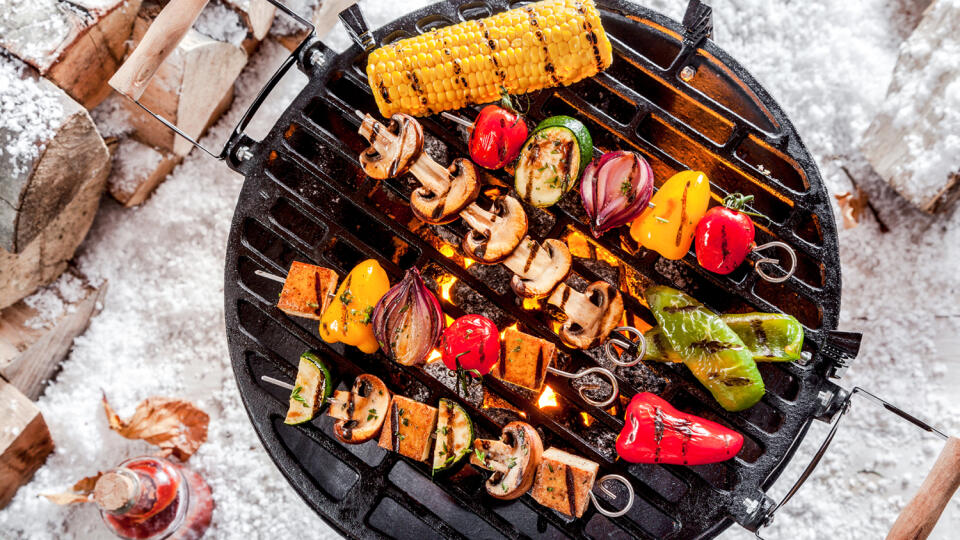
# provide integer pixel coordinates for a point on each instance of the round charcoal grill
(672, 95)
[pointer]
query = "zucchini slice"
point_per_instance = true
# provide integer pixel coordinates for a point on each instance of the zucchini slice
(454, 436)
(552, 160)
(310, 390)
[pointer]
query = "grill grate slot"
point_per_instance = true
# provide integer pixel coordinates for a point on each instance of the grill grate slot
(305, 198)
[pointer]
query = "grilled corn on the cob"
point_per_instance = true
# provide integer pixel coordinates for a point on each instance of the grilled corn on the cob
(548, 43)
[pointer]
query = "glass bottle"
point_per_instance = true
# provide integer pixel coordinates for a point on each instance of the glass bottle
(149, 498)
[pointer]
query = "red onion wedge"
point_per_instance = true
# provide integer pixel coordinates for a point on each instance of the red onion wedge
(615, 189)
(407, 321)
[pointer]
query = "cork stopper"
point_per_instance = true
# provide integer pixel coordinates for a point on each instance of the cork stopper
(114, 490)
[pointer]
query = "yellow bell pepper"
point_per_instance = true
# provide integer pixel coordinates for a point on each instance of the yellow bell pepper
(670, 223)
(348, 318)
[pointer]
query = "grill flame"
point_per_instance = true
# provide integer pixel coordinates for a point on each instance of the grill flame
(548, 398)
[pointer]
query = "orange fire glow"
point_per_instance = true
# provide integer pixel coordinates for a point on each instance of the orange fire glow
(467, 263)
(587, 419)
(504, 331)
(434, 356)
(531, 303)
(548, 398)
(446, 283)
(447, 250)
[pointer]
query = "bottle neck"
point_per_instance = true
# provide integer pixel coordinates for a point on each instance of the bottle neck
(118, 491)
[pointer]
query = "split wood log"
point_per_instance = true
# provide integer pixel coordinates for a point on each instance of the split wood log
(25, 441)
(323, 15)
(46, 257)
(77, 44)
(912, 143)
(137, 170)
(33, 343)
(256, 14)
(191, 88)
(49, 148)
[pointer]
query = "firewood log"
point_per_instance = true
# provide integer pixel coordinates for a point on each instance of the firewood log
(33, 342)
(137, 170)
(191, 88)
(323, 15)
(908, 142)
(77, 44)
(25, 441)
(48, 149)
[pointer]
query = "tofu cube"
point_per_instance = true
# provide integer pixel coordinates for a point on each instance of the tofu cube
(408, 427)
(307, 291)
(564, 482)
(525, 359)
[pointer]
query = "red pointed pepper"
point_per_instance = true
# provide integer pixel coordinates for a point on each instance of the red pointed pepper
(656, 432)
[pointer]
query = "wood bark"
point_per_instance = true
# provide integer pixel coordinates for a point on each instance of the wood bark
(903, 140)
(31, 349)
(25, 441)
(77, 44)
(34, 193)
(191, 88)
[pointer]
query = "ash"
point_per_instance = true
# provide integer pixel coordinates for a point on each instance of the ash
(161, 329)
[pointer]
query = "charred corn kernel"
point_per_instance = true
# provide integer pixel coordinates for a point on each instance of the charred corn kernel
(348, 318)
(545, 44)
(669, 224)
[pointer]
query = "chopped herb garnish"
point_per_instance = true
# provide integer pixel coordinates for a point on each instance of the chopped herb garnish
(460, 354)
(549, 466)
(314, 305)
(626, 187)
(297, 397)
(405, 421)
(481, 455)
(372, 415)
(443, 430)
(346, 297)
(400, 411)
(511, 463)
(367, 315)
(401, 436)
(516, 349)
(404, 308)
(550, 488)
(505, 488)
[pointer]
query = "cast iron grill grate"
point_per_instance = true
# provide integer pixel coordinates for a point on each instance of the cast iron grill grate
(681, 102)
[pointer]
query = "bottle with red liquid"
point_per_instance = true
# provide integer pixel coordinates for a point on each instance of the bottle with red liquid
(150, 498)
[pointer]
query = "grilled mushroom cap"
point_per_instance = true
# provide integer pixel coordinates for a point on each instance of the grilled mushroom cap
(494, 234)
(437, 205)
(392, 150)
(513, 459)
(360, 412)
(538, 268)
(590, 316)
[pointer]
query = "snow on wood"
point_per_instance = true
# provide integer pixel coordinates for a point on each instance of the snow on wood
(49, 147)
(256, 14)
(25, 441)
(914, 142)
(322, 13)
(138, 169)
(191, 89)
(37, 332)
(76, 44)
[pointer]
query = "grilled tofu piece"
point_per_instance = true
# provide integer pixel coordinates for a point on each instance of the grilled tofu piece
(564, 482)
(407, 428)
(307, 291)
(525, 359)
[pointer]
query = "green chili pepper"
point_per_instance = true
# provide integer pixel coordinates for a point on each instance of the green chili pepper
(771, 337)
(713, 352)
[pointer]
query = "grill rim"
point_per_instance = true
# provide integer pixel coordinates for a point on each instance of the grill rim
(814, 197)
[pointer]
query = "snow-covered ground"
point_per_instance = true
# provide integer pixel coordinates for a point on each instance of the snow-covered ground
(161, 331)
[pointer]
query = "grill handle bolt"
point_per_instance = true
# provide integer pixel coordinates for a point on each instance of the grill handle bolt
(687, 73)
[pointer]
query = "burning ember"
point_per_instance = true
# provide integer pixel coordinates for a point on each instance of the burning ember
(587, 419)
(446, 283)
(531, 303)
(434, 356)
(548, 398)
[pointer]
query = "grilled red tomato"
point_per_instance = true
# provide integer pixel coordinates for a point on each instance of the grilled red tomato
(471, 343)
(498, 134)
(725, 236)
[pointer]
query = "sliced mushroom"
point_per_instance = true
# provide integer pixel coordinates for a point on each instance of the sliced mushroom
(360, 412)
(443, 193)
(495, 234)
(538, 268)
(590, 315)
(513, 459)
(393, 149)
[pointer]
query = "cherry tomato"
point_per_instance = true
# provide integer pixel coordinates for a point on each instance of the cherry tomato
(725, 236)
(472, 342)
(498, 134)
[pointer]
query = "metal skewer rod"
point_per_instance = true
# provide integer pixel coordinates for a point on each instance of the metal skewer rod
(288, 386)
(268, 275)
(457, 120)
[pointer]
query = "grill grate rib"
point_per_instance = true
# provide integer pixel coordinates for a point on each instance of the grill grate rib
(306, 199)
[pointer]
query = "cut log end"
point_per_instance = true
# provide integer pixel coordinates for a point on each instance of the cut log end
(25, 441)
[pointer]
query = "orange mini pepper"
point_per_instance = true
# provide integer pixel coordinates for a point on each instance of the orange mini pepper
(669, 224)
(349, 316)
